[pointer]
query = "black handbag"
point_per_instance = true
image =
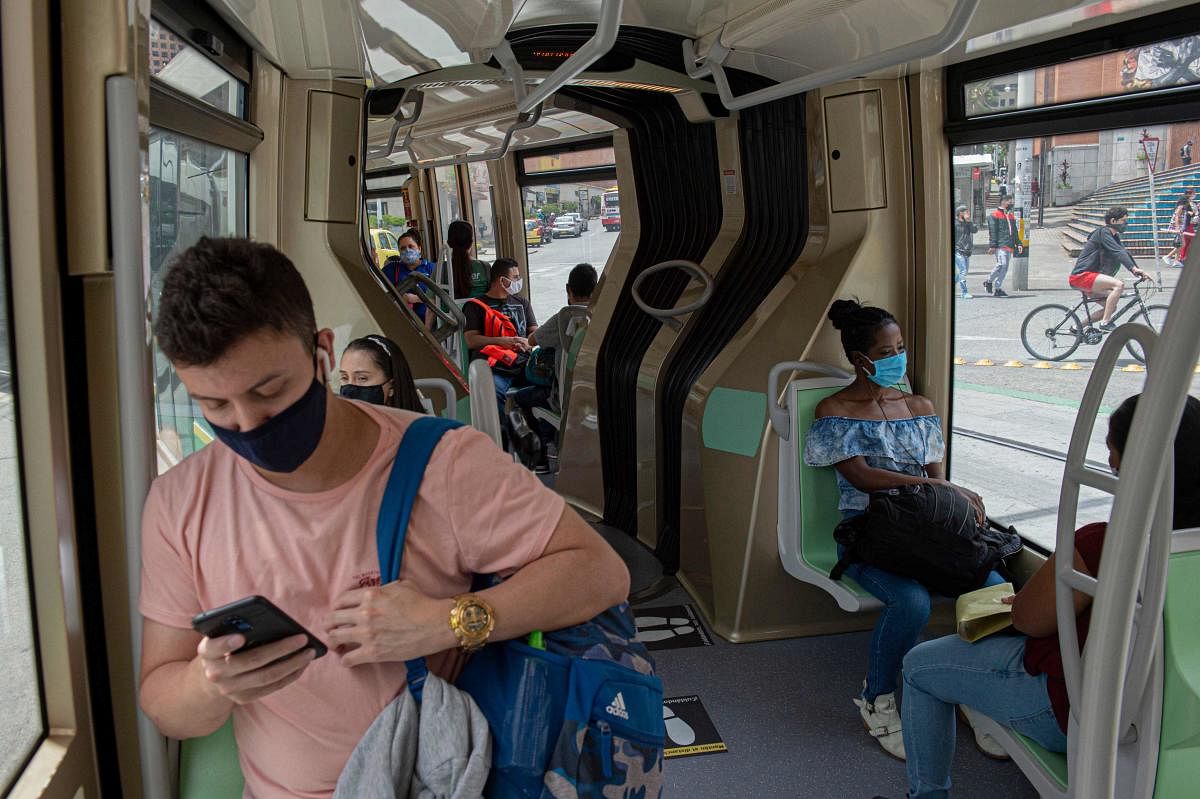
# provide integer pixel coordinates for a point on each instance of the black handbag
(927, 532)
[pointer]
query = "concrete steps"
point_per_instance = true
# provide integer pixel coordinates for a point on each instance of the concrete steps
(1135, 195)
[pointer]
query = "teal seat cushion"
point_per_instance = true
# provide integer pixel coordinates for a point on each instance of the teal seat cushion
(209, 768)
(819, 494)
(1053, 763)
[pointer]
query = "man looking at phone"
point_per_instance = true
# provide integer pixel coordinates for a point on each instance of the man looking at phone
(284, 505)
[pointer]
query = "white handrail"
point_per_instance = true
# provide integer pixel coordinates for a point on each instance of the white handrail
(133, 377)
(667, 315)
(595, 48)
(1143, 467)
(713, 62)
(779, 414)
(443, 387)
(405, 122)
(522, 121)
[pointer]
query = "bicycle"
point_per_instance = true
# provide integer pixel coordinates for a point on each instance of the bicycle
(1052, 332)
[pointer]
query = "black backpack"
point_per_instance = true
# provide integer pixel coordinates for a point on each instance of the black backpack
(927, 532)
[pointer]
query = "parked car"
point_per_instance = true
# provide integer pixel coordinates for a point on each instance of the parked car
(565, 225)
(580, 218)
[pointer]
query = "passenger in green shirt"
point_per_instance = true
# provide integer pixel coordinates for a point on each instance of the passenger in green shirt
(470, 275)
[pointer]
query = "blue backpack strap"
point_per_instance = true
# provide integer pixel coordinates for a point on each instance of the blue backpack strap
(408, 469)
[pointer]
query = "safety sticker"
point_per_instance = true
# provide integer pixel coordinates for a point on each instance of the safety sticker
(671, 627)
(689, 729)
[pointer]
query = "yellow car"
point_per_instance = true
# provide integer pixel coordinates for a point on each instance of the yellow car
(384, 244)
(533, 233)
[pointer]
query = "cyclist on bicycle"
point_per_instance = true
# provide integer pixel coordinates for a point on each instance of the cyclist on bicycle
(1102, 256)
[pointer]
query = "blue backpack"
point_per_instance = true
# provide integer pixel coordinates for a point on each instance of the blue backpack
(581, 717)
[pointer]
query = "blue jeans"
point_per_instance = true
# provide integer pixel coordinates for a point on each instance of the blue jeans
(906, 605)
(962, 263)
(988, 676)
(503, 384)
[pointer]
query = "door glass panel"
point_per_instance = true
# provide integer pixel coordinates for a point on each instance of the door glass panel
(554, 245)
(1024, 343)
(20, 687)
(196, 189)
(483, 211)
(449, 208)
(387, 216)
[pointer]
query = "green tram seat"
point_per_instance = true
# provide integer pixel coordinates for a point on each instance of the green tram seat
(808, 501)
(209, 768)
(1169, 739)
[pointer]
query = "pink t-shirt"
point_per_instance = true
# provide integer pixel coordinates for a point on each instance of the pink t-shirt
(214, 531)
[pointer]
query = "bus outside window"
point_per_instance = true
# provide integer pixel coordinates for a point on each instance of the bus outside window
(610, 215)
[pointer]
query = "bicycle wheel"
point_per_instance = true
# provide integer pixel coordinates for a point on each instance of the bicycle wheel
(1051, 332)
(1153, 318)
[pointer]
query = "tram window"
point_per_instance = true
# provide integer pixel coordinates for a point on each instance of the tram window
(1160, 65)
(1024, 347)
(449, 207)
(483, 210)
(553, 246)
(196, 189)
(185, 68)
(19, 683)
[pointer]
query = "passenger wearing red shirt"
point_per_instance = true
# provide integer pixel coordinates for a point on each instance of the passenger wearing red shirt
(1018, 679)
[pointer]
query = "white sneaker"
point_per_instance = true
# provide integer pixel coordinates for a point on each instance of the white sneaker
(986, 743)
(882, 720)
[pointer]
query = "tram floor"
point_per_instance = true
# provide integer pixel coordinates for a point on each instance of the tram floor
(783, 709)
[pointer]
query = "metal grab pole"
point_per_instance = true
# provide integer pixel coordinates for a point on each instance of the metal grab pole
(133, 379)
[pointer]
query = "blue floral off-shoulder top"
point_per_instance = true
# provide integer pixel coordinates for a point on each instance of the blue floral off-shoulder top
(898, 445)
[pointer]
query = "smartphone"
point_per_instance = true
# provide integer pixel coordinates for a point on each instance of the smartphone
(257, 620)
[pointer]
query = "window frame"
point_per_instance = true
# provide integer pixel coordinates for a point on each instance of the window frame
(1139, 109)
(601, 142)
(1160, 106)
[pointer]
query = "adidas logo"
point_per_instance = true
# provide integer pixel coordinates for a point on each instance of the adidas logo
(617, 707)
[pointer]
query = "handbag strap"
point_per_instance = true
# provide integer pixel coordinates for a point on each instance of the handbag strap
(408, 469)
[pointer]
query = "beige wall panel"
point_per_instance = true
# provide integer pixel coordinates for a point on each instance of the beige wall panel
(733, 214)
(932, 334)
(98, 40)
(330, 255)
(332, 162)
(580, 477)
(863, 253)
(854, 149)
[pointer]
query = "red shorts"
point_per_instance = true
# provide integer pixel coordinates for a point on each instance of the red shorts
(1083, 281)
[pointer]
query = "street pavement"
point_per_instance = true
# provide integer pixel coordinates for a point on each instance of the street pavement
(998, 409)
(550, 264)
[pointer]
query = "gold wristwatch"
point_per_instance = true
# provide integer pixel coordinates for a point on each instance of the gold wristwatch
(472, 621)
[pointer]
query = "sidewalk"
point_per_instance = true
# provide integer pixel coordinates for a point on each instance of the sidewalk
(1049, 264)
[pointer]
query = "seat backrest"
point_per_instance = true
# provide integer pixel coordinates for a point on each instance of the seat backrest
(817, 487)
(576, 331)
(1179, 741)
(209, 768)
(485, 414)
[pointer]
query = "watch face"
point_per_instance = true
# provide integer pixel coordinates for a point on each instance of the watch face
(475, 619)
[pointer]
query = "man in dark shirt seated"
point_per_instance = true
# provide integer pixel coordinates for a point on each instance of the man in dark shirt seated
(1096, 268)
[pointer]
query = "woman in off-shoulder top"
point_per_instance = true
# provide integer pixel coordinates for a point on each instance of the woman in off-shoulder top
(878, 437)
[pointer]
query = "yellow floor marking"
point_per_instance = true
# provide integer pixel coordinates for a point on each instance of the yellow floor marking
(1042, 365)
(1014, 364)
(1133, 367)
(960, 361)
(985, 362)
(1071, 367)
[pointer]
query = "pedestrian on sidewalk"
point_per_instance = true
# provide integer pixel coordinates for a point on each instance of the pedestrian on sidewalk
(1003, 241)
(1180, 218)
(964, 245)
(1189, 227)
(1096, 269)
(1185, 153)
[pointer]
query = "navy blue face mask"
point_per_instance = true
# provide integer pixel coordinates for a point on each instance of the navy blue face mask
(286, 440)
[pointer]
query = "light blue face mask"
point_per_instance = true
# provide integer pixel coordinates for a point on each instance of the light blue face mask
(410, 257)
(890, 371)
